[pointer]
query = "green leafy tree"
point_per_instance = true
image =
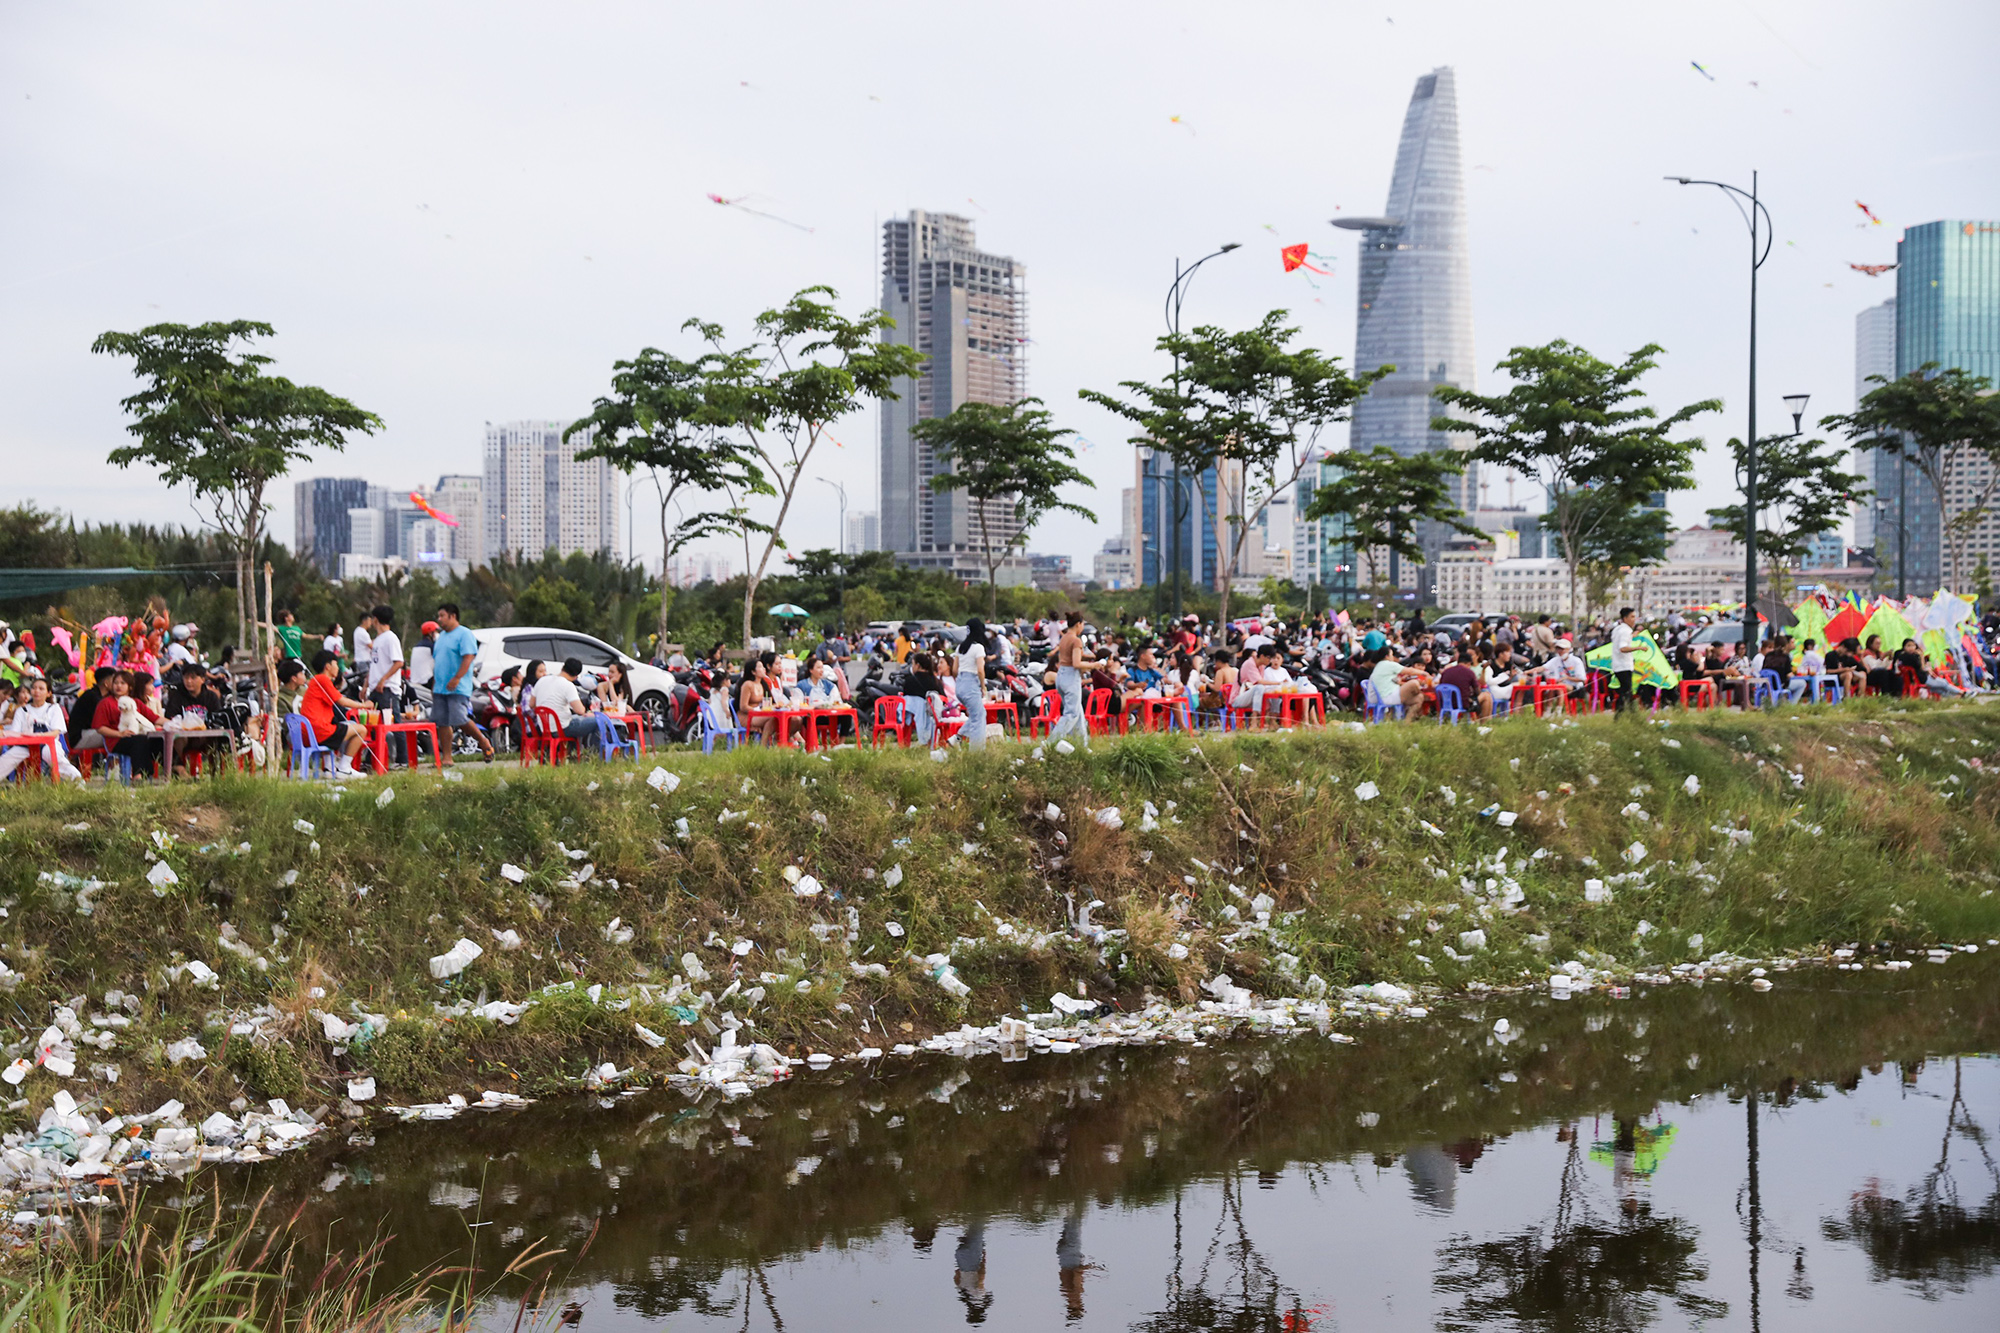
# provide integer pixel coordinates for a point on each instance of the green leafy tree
(211, 418)
(1012, 463)
(555, 601)
(1946, 424)
(1247, 404)
(1803, 490)
(659, 420)
(1577, 426)
(1382, 498)
(807, 367)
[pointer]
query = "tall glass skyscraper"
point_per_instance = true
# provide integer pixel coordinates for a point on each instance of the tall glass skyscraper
(1415, 299)
(1947, 312)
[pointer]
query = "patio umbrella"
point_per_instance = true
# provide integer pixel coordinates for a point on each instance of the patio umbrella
(787, 610)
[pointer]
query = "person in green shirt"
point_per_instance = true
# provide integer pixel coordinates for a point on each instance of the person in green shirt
(291, 640)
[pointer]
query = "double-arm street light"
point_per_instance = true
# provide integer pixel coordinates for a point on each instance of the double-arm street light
(843, 512)
(1760, 250)
(1175, 295)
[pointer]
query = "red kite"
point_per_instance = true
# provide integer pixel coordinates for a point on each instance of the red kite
(1868, 212)
(1295, 258)
(1872, 270)
(739, 204)
(425, 505)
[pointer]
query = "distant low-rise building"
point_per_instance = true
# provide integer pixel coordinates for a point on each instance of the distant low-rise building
(1048, 572)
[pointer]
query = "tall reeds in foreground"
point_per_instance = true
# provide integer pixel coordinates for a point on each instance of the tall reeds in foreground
(114, 1272)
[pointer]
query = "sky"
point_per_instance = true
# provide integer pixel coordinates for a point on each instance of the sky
(458, 213)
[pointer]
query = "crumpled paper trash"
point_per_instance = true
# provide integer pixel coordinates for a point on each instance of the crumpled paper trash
(455, 960)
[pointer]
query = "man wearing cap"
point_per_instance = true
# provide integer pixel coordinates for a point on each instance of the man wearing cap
(1566, 668)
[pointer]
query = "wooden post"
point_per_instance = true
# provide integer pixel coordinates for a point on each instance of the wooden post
(268, 634)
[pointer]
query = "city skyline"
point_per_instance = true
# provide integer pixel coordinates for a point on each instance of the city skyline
(409, 279)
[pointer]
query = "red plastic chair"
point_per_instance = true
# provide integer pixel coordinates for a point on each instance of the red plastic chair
(1042, 717)
(1097, 713)
(1913, 684)
(541, 731)
(1701, 692)
(890, 721)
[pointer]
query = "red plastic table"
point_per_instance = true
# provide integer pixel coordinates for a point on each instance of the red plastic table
(635, 726)
(1156, 713)
(1550, 689)
(43, 741)
(995, 709)
(810, 718)
(1296, 706)
(378, 743)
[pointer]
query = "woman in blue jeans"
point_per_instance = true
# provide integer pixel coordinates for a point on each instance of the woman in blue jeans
(971, 683)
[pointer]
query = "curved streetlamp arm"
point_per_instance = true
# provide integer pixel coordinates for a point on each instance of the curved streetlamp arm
(1737, 197)
(1178, 292)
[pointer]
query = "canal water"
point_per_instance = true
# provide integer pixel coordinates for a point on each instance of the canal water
(1819, 1156)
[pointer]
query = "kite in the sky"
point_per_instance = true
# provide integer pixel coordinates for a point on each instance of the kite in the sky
(1699, 70)
(1176, 120)
(1295, 257)
(1868, 212)
(425, 505)
(1872, 270)
(739, 204)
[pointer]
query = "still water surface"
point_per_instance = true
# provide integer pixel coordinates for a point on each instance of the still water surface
(1817, 1157)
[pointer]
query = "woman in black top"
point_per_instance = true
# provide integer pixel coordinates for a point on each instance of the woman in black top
(919, 684)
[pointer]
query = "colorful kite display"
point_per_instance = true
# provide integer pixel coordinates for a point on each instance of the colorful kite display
(1868, 212)
(740, 205)
(1296, 256)
(1872, 270)
(425, 505)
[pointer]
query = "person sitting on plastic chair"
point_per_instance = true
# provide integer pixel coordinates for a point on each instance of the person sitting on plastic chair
(1398, 686)
(919, 687)
(322, 704)
(558, 691)
(40, 715)
(1461, 677)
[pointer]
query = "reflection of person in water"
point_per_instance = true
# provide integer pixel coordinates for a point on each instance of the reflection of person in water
(969, 1271)
(1069, 1261)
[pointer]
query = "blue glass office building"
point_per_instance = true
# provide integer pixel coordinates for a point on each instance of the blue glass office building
(1947, 312)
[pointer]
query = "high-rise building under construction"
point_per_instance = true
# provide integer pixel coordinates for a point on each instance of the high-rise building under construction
(967, 311)
(1415, 287)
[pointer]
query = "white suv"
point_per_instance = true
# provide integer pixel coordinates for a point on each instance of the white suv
(518, 645)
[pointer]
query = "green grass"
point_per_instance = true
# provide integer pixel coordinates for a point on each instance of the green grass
(1905, 838)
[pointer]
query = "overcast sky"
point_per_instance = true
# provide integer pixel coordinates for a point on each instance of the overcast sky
(464, 213)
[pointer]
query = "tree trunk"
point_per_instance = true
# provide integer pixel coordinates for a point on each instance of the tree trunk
(750, 579)
(666, 603)
(992, 568)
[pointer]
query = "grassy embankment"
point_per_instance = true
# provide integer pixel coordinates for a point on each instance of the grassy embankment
(1867, 823)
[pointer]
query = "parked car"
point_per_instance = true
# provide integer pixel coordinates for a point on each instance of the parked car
(517, 645)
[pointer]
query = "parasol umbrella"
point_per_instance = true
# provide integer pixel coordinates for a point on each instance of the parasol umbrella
(1776, 613)
(788, 611)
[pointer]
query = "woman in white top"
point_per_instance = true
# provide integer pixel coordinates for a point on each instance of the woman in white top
(40, 715)
(970, 685)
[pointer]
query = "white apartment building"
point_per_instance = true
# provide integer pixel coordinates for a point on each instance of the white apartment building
(537, 496)
(462, 497)
(1704, 567)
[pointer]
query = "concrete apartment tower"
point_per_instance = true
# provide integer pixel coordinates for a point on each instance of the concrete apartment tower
(536, 495)
(1415, 300)
(967, 311)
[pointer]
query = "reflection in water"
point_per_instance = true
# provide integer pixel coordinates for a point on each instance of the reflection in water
(1233, 1288)
(1930, 1238)
(753, 1213)
(1578, 1271)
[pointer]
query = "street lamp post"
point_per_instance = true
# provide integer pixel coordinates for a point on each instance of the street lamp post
(1881, 512)
(1175, 295)
(843, 512)
(1758, 236)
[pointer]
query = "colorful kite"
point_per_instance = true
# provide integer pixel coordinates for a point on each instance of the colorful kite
(739, 204)
(1176, 120)
(1295, 257)
(1872, 270)
(425, 505)
(1868, 212)
(1699, 70)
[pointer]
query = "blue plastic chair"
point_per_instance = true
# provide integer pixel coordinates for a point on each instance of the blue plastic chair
(607, 736)
(1769, 688)
(305, 750)
(718, 722)
(1822, 686)
(1372, 701)
(1451, 704)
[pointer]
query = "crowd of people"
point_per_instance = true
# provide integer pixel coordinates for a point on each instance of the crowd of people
(152, 685)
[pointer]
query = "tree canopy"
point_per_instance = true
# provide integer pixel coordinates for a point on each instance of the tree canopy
(1012, 458)
(1382, 498)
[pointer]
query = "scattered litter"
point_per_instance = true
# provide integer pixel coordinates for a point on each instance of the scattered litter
(388, 795)
(661, 780)
(512, 873)
(1367, 791)
(455, 960)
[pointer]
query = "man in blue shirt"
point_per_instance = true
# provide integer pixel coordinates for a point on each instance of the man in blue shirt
(452, 658)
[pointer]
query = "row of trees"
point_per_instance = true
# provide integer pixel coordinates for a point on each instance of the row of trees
(734, 422)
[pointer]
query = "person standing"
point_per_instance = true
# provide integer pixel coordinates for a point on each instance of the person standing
(452, 659)
(291, 639)
(970, 684)
(1624, 640)
(1071, 662)
(382, 670)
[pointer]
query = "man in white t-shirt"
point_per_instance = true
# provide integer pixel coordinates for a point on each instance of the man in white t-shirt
(1624, 655)
(558, 691)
